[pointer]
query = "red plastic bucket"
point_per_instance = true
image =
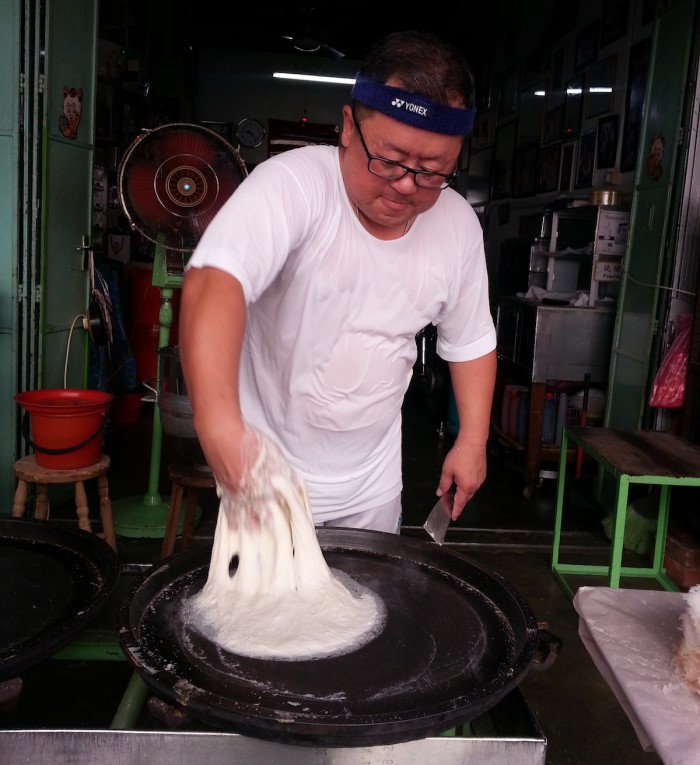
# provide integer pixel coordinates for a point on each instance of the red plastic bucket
(66, 425)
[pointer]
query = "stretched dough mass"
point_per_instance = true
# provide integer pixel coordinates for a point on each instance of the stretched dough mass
(282, 601)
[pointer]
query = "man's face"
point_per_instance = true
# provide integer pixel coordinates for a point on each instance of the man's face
(392, 204)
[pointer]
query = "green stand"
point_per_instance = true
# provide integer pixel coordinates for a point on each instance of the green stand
(147, 516)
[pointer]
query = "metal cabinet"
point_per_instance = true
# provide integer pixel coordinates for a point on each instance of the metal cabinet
(538, 342)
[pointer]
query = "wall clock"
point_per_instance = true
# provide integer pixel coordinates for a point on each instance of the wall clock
(250, 132)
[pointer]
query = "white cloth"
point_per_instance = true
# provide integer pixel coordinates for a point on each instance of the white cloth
(632, 637)
(332, 318)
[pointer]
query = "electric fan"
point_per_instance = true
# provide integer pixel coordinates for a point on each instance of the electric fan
(172, 181)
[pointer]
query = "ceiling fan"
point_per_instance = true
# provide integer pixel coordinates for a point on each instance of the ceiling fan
(308, 42)
(307, 32)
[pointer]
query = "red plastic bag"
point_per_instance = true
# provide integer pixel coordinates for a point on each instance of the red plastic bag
(668, 390)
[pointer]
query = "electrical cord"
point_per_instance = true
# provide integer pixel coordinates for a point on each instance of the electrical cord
(657, 286)
(70, 335)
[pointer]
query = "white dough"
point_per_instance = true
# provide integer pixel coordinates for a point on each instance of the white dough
(283, 601)
(688, 654)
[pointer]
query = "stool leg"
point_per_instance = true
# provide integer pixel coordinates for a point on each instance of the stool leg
(106, 511)
(81, 506)
(41, 508)
(190, 514)
(19, 503)
(173, 519)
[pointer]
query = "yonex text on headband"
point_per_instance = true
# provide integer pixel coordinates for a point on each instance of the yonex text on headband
(413, 109)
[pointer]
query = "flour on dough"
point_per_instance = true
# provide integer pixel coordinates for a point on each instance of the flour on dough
(283, 601)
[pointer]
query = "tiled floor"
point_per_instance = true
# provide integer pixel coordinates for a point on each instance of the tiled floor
(501, 530)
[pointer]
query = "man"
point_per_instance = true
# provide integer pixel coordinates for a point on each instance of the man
(302, 301)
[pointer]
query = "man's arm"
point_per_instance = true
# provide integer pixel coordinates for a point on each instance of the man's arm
(465, 464)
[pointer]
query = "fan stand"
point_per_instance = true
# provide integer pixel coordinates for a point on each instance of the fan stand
(172, 181)
(147, 516)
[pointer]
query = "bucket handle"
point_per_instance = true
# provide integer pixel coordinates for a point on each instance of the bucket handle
(36, 447)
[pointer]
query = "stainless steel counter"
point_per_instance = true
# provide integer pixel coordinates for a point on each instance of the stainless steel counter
(506, 735)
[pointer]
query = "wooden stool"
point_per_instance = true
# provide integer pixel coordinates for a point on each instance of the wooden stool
(654, 458)
(184, 475)
(28, 471)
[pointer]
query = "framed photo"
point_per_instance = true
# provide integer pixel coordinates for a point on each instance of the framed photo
(586, 160)
(614, 23)
(573, 106)
(553, 122)
(508, 92)
(479, 176)
(503, 157)
(566, 173)
(586, 46)
(558, 68)
(638, 71)
(607, 141)
(600, 87)
(531, 114)
(525, 171)
(224, 129)
(548, 160)
(482, 134)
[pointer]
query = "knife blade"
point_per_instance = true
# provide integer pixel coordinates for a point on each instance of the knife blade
(439, 518)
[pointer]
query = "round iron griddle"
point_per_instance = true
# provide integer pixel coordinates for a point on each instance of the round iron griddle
(53, 582)
(457, 639)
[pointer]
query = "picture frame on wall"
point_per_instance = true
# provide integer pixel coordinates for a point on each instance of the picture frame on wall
(224, 129)
(508, 92)
(568, 152)
(548, 160)
(573, 106)
(531, 114)
(638, 71)
(553, 122)
(482, 135)
(614, 22)
(586, 159)
(607, 142)
(503, 157)
(525, 171)
(600, 87)
(586, 50)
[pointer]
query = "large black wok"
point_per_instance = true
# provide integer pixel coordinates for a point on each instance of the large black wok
(53, 582)
(457, 639)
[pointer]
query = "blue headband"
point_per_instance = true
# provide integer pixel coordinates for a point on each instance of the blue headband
(413, 109)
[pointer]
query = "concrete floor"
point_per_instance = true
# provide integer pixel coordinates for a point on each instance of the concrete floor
(501, 530)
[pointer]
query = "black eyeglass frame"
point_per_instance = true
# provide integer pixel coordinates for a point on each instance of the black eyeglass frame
(448, 178)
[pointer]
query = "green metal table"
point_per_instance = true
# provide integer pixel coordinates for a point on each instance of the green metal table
(655, 458)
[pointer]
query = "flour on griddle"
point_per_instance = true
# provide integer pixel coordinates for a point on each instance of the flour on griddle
(282, 601)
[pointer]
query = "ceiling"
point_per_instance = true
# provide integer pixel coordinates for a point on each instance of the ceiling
(327, 29)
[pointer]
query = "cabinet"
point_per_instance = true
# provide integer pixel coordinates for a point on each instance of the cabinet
(537, 343)
(586, 249)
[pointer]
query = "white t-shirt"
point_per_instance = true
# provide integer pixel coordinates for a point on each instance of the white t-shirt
(333, 315)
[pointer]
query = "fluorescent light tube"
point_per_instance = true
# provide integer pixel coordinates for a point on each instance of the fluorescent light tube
(315, 78)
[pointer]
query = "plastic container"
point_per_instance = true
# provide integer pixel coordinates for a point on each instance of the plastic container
(549, 419)
(66, 425)
(143, 318)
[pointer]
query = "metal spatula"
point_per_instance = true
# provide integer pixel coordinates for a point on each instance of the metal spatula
(439, 519)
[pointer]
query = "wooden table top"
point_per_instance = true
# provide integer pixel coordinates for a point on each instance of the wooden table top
(641, 452)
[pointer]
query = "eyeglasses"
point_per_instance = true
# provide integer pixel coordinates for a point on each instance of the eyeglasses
(393, 171)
